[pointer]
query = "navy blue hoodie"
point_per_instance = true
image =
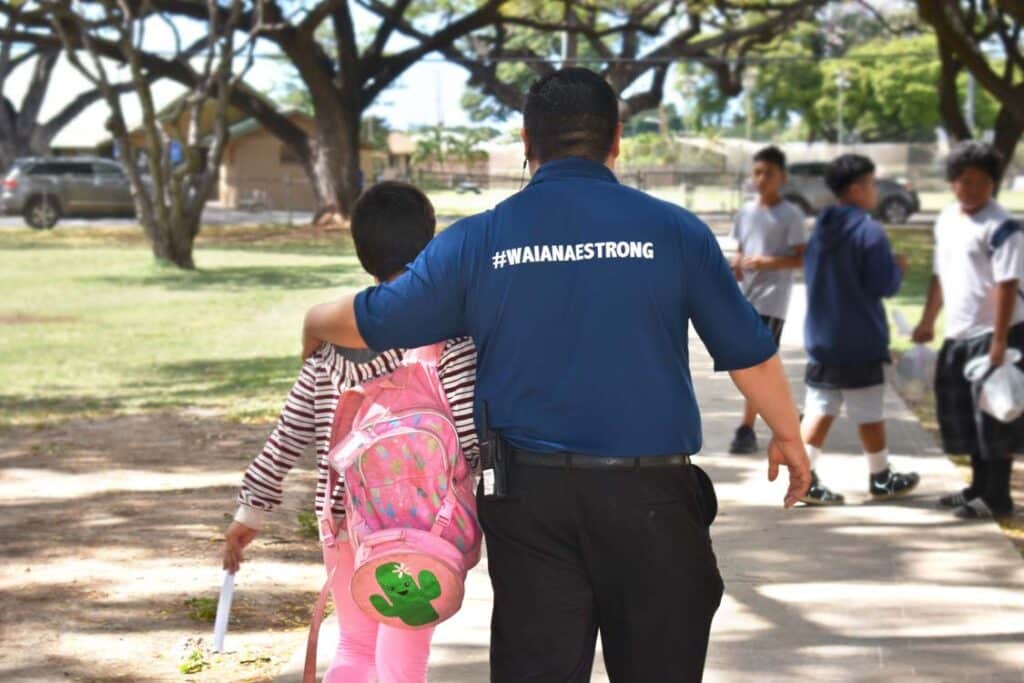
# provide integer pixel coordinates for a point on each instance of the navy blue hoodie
(850, 268)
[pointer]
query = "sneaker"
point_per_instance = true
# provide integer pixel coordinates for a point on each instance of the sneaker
(819, 494)
(889, 484)
(745, 441)
(955, 500)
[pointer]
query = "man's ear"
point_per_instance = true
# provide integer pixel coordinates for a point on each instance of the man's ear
(616, 149)
(526, 143)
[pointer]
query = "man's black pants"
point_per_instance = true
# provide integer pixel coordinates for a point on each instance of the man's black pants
(574, 552)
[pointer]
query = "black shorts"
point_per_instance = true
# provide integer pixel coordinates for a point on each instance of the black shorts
(964, 429)
(775, 325)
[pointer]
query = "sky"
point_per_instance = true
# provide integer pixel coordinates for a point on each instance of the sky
(413, 101)
(428, 92)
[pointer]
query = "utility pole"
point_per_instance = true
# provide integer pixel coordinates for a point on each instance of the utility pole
(749, 83)
(570, 40)
(842, 83)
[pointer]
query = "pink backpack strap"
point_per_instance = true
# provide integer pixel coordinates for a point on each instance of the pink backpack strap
(431, 355)
(349, 404)
(309, 671)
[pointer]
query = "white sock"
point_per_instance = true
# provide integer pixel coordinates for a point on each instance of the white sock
(813, 453)
(878, 462)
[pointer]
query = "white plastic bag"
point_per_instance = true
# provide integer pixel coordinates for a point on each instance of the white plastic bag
(1002, 390)
(915, 371)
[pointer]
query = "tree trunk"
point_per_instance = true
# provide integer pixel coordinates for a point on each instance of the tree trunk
(1008, 131)
(13, 149)
(949, 101)
(334, 151)
(173, 240)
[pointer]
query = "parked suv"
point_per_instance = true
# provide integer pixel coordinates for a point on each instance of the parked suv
(807, 189)
(44, 190)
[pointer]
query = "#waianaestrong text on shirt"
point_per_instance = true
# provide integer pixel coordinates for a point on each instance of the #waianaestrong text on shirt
(973, 253)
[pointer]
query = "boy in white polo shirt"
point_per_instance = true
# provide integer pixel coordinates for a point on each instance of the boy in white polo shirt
(979, 261)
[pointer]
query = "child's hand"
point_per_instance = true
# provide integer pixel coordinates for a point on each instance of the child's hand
(236, 538)
(756, 262)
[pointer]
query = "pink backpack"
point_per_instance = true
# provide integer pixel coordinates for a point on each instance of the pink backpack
(411, 511)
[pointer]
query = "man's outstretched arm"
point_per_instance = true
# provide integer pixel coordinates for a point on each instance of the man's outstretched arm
(334, 322)
(766, 387)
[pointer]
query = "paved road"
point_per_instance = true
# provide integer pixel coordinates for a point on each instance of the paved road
(868, 592)
(218, 216)
(211, 216)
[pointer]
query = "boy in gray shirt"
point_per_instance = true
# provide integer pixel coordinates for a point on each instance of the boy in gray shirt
(769, 234)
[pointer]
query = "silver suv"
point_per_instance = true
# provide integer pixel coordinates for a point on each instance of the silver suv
(807, 189)
(44, 190)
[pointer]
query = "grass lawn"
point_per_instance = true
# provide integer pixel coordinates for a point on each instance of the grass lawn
(918, 246)
(90, 324)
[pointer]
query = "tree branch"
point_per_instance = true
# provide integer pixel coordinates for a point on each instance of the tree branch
(947, 20)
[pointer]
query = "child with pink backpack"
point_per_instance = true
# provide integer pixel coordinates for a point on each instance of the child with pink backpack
(396, 451)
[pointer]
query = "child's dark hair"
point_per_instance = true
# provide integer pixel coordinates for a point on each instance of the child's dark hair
(571, 112)
(974, 154)
(772, 155)
(391, 223)
(847, 170)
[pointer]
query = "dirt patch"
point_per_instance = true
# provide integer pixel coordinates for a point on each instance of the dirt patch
(110, 534)
(33, 319)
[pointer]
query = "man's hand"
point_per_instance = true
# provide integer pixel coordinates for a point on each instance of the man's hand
(923, 333)
(737, 267)
(236, 538)
(790, 453)
(997, 352)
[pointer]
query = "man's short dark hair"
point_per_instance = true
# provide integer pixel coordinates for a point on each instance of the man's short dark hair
(847, 170)
(974, 154)
(772, 155)
(572, 112)
(391, 223)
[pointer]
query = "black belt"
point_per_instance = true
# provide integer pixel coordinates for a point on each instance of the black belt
(587, 462)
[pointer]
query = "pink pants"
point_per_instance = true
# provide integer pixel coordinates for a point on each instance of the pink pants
(368, 651)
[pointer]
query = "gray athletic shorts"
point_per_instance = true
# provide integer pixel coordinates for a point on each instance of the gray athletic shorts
(863, 406)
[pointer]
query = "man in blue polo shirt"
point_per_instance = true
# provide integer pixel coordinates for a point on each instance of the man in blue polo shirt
(579, 293)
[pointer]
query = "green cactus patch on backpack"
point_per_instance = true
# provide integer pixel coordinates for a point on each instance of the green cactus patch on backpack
(406, 599)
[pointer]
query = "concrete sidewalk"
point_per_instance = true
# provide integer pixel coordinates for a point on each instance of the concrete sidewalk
(866, 592)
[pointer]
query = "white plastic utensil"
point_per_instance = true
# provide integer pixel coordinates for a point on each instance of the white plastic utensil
(220, 626)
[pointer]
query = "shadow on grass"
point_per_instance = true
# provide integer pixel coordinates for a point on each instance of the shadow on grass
(237, 278)
(12, 404)
(232, 382)
(231, 377)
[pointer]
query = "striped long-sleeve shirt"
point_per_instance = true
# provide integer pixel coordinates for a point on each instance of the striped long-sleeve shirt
(309, 412)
